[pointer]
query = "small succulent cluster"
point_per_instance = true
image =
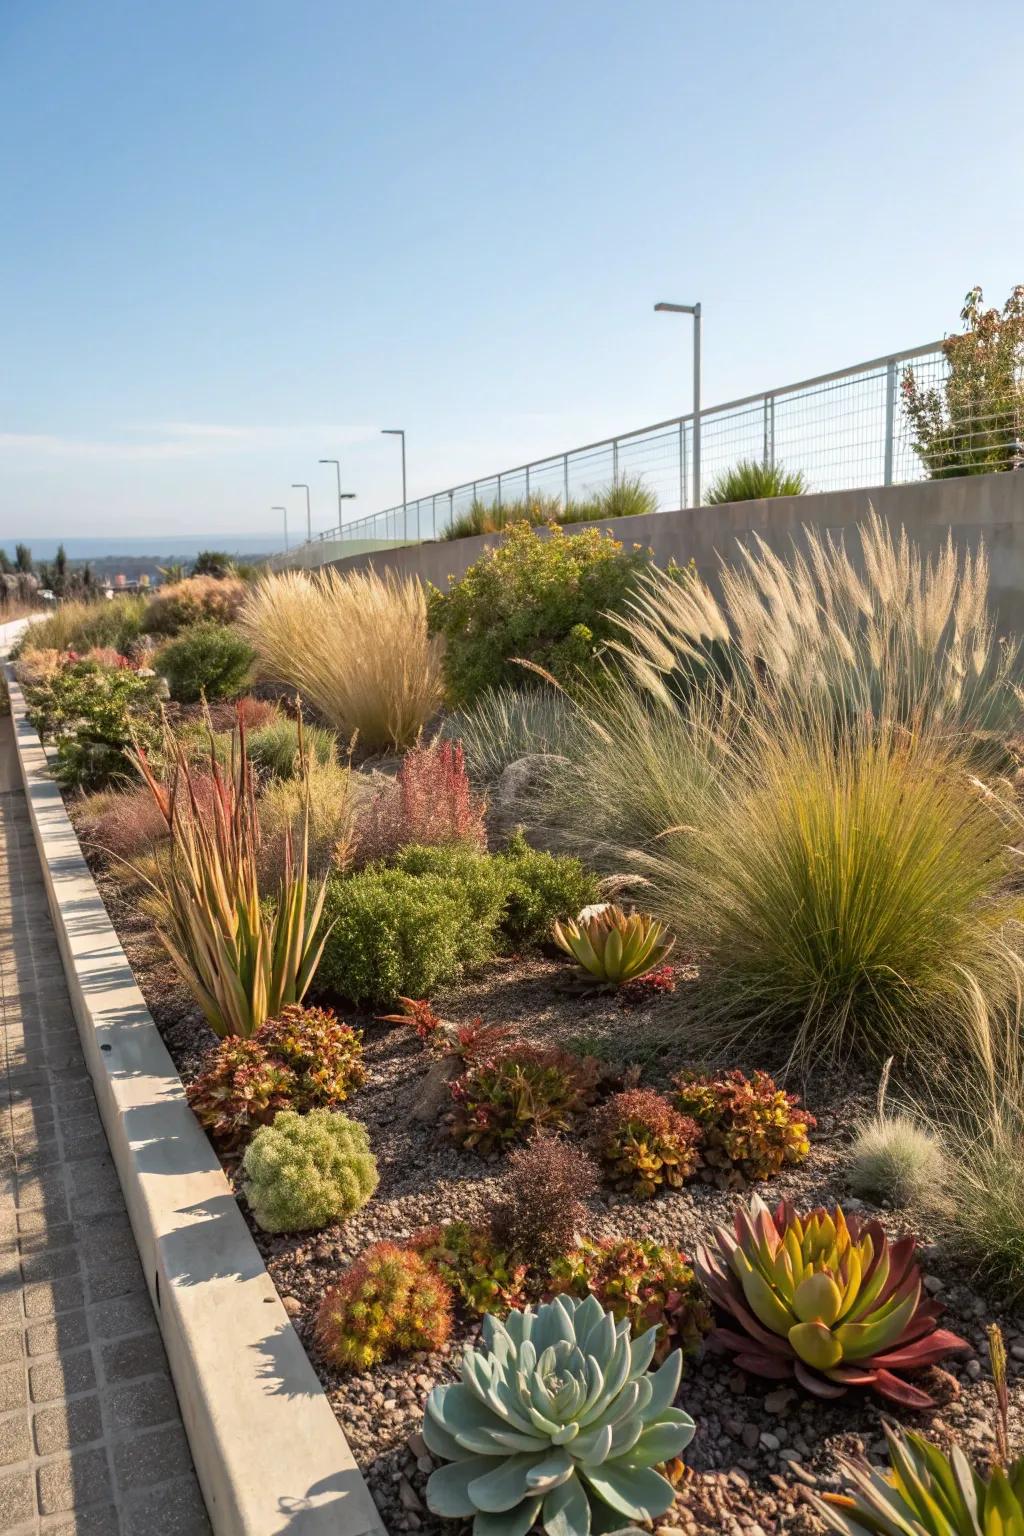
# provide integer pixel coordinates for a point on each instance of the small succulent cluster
(613, 947)
(389, 1302)
(645, 989)
(520, 1092)
(644, 1144)
(638, 1279)
(484, 1275)
(558, 1421)
(824, 1298)
(750, 1128)
(304, 1059)
(307, 1171)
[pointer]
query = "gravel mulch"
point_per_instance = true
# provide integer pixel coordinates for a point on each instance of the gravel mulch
(759, 1446)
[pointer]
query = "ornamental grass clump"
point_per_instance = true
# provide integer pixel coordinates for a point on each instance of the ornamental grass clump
(894, 1157)
(556, 1421)
(304, 1172)
(274, 748)
(825, 1298)
(505, 723)
(243, 960)
(749, 1127)
(389, 1302)
(612, 947)
(355, 646)
(520, 1092)
(645, 1283)
(643, 1144)
(753, 480)
(323, 799)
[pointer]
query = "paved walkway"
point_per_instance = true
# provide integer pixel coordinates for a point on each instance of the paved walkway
(91, 1442)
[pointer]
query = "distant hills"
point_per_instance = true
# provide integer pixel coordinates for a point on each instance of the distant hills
(132, 556)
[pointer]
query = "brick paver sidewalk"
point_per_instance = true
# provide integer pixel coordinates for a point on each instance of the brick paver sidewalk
(90, 1436)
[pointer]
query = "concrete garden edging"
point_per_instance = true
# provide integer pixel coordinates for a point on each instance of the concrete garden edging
(270, 1455)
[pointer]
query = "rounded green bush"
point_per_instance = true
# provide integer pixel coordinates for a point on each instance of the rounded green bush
(397, 934)
(274, 748)
(208, 660)
(540, 889)
(308, 1171)
(478, 877)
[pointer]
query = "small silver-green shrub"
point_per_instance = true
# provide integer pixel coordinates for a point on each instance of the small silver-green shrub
(307, 1171)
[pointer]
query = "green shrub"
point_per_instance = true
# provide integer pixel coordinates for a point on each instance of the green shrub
(308, 1171)
(478, 877)
(752, 480)
(197, 600)
(504, 724)
(544, 599)
(398, 935)
(274, 747)
(206, 661)
(93, 714)
(895, 1159)
(541, 888)
(485, 1276)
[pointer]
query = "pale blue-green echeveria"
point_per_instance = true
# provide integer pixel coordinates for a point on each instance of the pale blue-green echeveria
(556, 1421)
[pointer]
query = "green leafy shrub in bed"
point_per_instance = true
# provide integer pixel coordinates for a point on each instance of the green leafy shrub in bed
(541, 888)
(480, 878)
(308, 1171)
(396, 934)
(93, 713)
(208, 660)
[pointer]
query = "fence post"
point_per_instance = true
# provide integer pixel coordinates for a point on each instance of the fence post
(527, 486)
(684, 480)
(890, 417)
(499, 491)
(615, 461)
(565, 477)
(771, 431)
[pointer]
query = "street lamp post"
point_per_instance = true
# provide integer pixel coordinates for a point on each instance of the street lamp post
(283, 510)
(299, 485)
(400, 432)
(694, 310)
(337, 471)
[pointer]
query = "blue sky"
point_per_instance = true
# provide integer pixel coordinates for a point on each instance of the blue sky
(239, 235)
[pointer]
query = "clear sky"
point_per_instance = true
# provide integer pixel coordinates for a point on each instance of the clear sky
(239, 235)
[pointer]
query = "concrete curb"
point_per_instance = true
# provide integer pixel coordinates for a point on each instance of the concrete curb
(270, 1455)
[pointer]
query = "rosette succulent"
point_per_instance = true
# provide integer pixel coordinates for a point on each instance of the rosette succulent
(824, 1298)
(556, 1421)
(613, 948)
(927, 1493)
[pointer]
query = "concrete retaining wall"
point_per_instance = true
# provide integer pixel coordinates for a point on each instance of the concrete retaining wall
(270, 1455)
(974, 507)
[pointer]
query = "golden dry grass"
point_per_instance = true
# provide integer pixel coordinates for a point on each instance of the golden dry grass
(353, 645)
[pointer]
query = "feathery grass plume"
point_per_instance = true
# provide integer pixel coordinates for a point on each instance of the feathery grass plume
(242, 961)
(753, 480)
(896, 634)
(503, 724)
(894, 1157)
(355, 645)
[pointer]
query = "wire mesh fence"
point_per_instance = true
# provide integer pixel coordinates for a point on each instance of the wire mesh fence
(858, 427)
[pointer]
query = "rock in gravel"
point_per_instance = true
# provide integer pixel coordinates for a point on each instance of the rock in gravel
(292, 1305)
(515, 795)
(779, 1402)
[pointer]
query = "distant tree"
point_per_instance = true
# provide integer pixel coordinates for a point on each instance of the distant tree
(59, 579)
(6, 568)
(973, 423)
(213, 562)
(23, 559)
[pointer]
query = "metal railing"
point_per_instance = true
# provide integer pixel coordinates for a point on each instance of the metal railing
(843, 430)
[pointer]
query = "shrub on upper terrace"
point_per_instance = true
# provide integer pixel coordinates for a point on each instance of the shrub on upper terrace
(545, 600)
(196, 600)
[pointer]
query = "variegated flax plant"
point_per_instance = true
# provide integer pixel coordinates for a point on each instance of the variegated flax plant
(242, 957)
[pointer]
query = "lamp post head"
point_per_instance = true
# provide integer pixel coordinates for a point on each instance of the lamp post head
(677, 309)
